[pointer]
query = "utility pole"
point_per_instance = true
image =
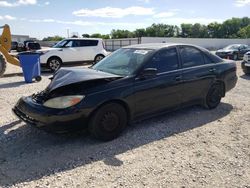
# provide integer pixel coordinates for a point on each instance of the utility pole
(68, 32)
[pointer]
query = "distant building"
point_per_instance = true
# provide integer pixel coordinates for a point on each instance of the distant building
(20, 38)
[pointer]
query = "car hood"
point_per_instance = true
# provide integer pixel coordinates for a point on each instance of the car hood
(225, 50)
(67, 76)
(48, 49)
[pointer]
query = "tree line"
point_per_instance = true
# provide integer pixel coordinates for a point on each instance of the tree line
(231, 28)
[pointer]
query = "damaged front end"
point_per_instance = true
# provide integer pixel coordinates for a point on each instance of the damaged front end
(63, 105)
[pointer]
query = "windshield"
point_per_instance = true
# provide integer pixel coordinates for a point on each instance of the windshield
(123, 62)
(232, 47)
(60, 44)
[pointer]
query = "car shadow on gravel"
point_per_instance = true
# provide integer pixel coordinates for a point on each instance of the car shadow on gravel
(246, 77)
(20, 83)
(12, 84)
(28, 154)
(12, 75)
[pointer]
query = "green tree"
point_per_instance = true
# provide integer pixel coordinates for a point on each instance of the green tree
(231, 27)
(116, 34)
(186, 30)
(162, 30)
(85, 35)
(106, 36)
(199, 31)
(96, 35)
(54, 38)
(214, 30)
(140, 32)
(244, 32)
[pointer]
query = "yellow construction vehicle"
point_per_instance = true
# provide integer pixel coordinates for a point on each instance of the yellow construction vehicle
(5, 46)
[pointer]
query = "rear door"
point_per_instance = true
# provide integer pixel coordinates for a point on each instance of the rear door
(88, 50)
(163, 90)
(198, 72)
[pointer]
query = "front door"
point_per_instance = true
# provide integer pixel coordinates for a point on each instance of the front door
(163, 90)
(70, 52)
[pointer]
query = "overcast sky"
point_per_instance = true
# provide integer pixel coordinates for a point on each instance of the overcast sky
(41, 18)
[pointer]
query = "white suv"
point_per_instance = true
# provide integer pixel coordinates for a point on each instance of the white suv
(73, 51)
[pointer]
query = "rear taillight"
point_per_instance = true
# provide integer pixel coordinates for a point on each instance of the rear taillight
(103, 45)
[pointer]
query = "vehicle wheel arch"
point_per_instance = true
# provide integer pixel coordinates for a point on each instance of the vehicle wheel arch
(99, 55)
(117, 101)
(222, 84)
(58, 59)
(54, 56)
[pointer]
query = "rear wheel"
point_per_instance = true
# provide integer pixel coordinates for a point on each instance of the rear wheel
(54, 63)
(108, 122)
(98, 58)
(235, 57)
(214, 96)
(2, 65)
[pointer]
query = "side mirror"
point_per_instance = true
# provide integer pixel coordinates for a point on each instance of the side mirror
(148, 73)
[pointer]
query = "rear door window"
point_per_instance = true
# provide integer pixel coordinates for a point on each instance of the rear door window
(84, 43)
(191, 56)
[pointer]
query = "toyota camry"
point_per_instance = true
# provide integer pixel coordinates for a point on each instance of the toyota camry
(132, 83)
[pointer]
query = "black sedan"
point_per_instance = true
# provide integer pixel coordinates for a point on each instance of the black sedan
(132, 83)
(234, 51)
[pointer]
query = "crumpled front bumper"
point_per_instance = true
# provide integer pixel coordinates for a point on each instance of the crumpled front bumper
(49, 119)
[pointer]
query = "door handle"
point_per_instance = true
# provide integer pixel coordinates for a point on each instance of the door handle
(178, 78)
(212, 70)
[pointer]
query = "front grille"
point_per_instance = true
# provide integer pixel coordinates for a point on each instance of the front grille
(40, 97)
(24, 116)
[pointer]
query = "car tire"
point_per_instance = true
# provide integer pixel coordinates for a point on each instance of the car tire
(38, 78)
(54, 64)
(98, 58)
(108, 122)
(235, 57)
(2, 65)
(246, 71)
(214, 96)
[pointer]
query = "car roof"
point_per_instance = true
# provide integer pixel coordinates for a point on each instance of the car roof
(155, 46)
(83, 39)
(238, 45)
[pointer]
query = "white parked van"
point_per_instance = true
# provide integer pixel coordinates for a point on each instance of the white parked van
(73, 51)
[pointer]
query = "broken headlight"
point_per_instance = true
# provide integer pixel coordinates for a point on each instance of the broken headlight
(64, 101)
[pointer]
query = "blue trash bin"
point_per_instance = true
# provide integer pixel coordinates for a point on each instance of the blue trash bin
(30, 63)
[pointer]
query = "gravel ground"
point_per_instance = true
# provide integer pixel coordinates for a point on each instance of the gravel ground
(192, 147)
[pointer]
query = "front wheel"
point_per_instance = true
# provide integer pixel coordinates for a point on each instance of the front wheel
(108, 122)
(214, 96)
(2, 65)
(54, 64)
